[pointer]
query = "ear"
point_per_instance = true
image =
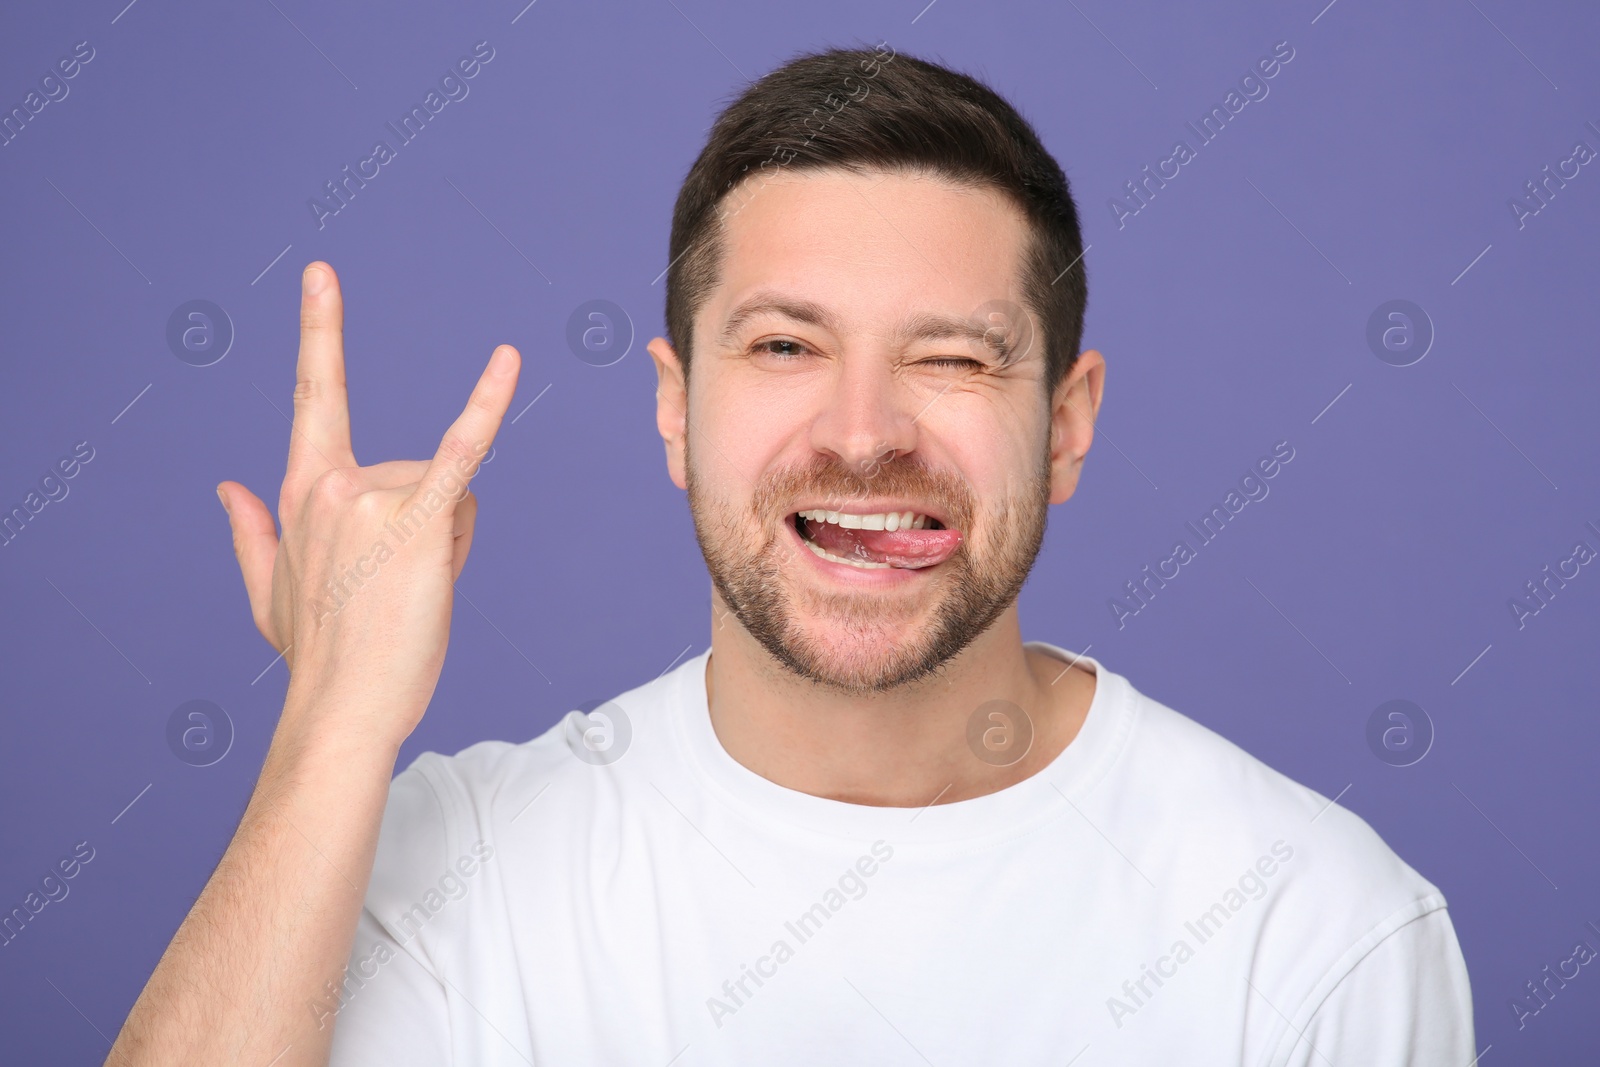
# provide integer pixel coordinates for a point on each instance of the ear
(672, 407)
(1073, 410)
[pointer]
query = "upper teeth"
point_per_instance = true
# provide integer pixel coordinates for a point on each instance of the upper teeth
(886, 520)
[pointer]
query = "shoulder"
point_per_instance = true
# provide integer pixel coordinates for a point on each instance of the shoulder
(1218, 806)
(1305, 888)
(447, 814)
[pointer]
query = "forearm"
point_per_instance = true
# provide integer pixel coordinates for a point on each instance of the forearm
(275, 921)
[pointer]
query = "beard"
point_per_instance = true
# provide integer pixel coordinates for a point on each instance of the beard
(867, 642)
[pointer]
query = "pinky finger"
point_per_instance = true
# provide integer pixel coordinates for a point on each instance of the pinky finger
(469, 438)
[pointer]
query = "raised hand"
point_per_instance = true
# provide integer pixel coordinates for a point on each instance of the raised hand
(357, 592)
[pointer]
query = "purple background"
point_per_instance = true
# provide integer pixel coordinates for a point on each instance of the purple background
(1379, 567)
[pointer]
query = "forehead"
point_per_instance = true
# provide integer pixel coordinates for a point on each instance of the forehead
(870, 245)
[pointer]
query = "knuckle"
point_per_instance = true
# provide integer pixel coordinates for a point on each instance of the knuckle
(480, 401)
(330, 487)
(308, 387)
(455, 450)
(371, 506)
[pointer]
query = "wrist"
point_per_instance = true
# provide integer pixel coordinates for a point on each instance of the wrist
(328, 724)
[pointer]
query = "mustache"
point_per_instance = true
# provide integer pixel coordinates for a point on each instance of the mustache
(833, 482)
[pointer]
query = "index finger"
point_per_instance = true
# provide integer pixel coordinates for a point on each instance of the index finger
(467, 440)
(320, 438)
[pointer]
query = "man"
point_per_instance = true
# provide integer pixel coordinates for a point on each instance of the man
(869, 824)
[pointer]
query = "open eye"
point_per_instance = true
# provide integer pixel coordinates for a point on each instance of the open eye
(772, 348)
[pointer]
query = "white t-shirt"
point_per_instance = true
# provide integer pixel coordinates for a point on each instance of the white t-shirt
(1155, 895)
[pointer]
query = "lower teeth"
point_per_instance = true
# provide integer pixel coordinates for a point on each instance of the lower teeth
(830, 557)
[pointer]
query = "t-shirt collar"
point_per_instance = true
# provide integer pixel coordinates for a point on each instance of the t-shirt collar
(1008, 812)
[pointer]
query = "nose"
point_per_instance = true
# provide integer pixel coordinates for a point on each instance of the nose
(867, 417)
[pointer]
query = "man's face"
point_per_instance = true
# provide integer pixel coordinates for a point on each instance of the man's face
(819, 385)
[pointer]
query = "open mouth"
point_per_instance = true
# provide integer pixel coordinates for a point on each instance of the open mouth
(906, 540)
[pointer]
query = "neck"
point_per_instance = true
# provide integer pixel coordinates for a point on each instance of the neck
(906, 748)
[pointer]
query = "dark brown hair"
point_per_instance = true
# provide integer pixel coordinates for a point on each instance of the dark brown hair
(861, 109)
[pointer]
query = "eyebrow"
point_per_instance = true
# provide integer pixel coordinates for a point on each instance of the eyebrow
(924, 326)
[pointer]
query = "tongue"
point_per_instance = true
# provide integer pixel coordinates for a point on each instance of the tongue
(900, 548)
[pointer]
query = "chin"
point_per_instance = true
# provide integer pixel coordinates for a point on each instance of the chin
(859, 646)
(856, 669)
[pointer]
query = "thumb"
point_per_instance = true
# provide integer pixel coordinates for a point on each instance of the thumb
(255, 544)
